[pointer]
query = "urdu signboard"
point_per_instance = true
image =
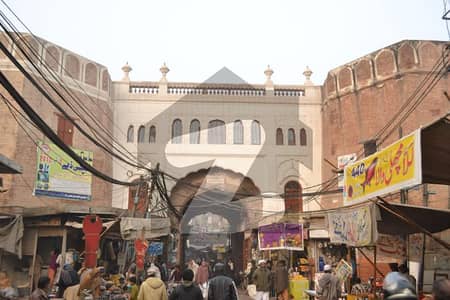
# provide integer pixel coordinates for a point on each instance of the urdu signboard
(59, 176)
(391, 169)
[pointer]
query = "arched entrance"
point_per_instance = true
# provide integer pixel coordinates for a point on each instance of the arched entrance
(214, 191)
(293, 200)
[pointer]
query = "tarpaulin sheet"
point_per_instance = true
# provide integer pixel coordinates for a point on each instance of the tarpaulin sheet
(11, 237)
(131, 228)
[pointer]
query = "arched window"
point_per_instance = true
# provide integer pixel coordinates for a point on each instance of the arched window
(152, 135)
(279, 136)
(291, 136)
(238, 132)
(293, 202)
(141, 134)
(177, 131)
(216, 132)
(130, 134)
(194, 132)
(302, 137)
(256, 133)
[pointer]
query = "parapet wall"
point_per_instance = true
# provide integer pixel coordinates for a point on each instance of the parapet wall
(404, 57)
(94, 77)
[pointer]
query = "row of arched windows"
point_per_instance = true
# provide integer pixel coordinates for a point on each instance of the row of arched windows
(291, 140)
(141, 134)
(216, 133)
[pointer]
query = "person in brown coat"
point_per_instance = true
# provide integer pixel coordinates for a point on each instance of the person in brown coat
(41, 292)
(281, 280)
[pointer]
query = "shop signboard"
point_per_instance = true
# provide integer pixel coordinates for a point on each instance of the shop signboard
(155, 249)
(281, 236)
(353, 227)
(391, 169)
(59, 176)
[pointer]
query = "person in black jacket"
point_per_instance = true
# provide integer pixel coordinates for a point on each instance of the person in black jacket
(221, 287)
(187, 291)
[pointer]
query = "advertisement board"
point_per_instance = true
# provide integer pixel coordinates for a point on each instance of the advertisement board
(391, 169)
(59, 176)
(353, 227)
(281, 236)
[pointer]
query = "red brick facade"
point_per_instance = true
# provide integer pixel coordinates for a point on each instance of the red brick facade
(17, 146)
(363, 95)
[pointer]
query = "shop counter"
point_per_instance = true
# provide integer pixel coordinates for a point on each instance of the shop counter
(297, 288)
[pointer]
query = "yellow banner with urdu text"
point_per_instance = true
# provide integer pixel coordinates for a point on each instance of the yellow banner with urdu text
(391, 169)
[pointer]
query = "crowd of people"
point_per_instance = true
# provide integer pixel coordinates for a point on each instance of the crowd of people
(199, 280)
(195, 280)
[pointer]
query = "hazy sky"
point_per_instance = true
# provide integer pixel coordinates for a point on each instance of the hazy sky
(197, 38)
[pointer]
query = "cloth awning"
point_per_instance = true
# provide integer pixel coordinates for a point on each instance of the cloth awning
(131, 228)
(435, 146)
(433, 220)
(11, 236)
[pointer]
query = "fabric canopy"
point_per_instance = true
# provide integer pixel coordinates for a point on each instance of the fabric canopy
(433, 220)
(435, 146)
(131, 228)
(11, 237)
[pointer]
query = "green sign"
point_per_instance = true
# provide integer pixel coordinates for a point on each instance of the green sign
(59, 176)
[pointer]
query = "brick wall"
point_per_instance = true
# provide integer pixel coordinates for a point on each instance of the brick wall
(362, 96)
(17, 146)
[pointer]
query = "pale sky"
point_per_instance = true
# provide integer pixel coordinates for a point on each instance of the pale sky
(196, 38)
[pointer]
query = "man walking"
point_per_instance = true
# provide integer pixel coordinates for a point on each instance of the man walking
(153, 288)
(221, 287)
(329, 287)
(281, 280)
(187, 291)
(262, 280)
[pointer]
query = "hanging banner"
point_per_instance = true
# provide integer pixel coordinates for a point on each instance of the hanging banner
(59, 176)
(281, 236)
(353, 227)
(391, 169)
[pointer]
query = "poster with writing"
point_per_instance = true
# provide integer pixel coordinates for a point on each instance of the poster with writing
(281, 236)
(271, 237)
(415, 246)
(59, 176)
(351, 227)
(343, 270)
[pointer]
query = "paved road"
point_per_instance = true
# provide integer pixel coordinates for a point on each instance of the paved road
(244, 296)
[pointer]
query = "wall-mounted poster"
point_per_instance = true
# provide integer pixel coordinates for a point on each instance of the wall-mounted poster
(59, 176)
(281, 236)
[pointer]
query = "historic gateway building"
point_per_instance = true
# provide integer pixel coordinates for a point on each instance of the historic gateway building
(236, 151)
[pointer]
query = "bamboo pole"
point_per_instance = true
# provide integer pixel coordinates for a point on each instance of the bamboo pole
(370, 261)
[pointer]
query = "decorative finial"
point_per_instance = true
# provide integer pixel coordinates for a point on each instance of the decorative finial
(307, 73)
(164, 70)
(268, 72)
(126, 72)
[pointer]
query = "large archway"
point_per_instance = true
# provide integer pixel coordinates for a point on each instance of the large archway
(217, 191)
